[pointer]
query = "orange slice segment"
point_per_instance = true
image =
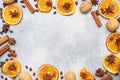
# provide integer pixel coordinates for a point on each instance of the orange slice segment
(113, 42)
(45, 5)
(85, 74)
(65, 7)
(48, 72)
(12, 14)
(12, 68)
(111, 63)
(112, 5)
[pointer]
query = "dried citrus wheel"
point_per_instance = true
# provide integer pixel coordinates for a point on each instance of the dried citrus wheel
(11, 68)
(65, 7)
(12, 14)
(45, 5)
(109, 9)
(113, 42)
(111, 63)
(47, 72)
(85, 74)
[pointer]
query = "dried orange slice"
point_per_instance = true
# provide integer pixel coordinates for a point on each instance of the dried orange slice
(12, 68)
(109, 9)
(113, 42)
(47, 72)
(45, 5)
(12, 14)
(65, 7)
(111, 63)
(85, 74)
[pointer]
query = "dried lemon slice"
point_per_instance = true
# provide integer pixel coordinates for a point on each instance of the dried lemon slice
(11, 68)
(109, 9)
(85, 74)
(12, 14)
(65, 7)
(47, 72)
(111, 63)
(113, 42)
(44, 5)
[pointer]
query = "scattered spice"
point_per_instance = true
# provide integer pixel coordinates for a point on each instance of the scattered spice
(6, 59)
(100, 72)
(36, 79)
(12, 53)
(61, 73)
(2, 77)
(12, 41)
(23, 6)
(5, 28)
(34, 74)
(36, 5)
(11, 31)
(108, 77)
(95, 2)
(26, 67)
(83, 75)
(97, 12)
(12, 67)
(35, 0)
(54, 7)
(21, 1)
(118, 43)
(9, 55)
(6, 78)
(61, 77)
(13, 14)
(30, 69)
(36, 10)
(76, 2)
(11, 59)
(118, 19)
(54, 12)
(66, 6)
(111, 59)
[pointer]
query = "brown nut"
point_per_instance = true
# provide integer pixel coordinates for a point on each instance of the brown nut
(112, 25)
(25, 76)
(70, 76)
(86, 6)
(8, 1)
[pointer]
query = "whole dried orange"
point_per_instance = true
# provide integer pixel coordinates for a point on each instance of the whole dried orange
(65, 7)
(11, 68)
(85, 74)
(47, 72)
(111, 63)
(44, 5)
(113, 42)
(109, 8)
(12, 14)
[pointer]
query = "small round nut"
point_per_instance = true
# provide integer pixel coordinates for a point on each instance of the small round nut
(25, 76)
(8, 1)
(86, 6)
(112, 25)
(70, 76)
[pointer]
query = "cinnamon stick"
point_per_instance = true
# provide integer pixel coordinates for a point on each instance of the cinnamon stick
(108, 77)
(4, 49)
(4, 39)
(97, 20)
(30, 7)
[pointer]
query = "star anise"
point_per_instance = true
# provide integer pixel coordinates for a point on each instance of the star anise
(83, 75)
(13, 14)
(95, 2)
(118, 43)
(49, 3)
(111, 59)
(12, 67)
(100, 72)
(48, 76)
(66, 6)
(110, 9)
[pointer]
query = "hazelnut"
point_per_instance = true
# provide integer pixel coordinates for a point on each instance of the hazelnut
(112, 25)
(70, 76)
(8, 1)
(86, 6)
(25, 76)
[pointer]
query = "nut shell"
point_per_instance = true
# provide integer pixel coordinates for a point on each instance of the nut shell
(86, 6)
(112, 25)
(25, 76)
(8, 1)
(70, 76)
